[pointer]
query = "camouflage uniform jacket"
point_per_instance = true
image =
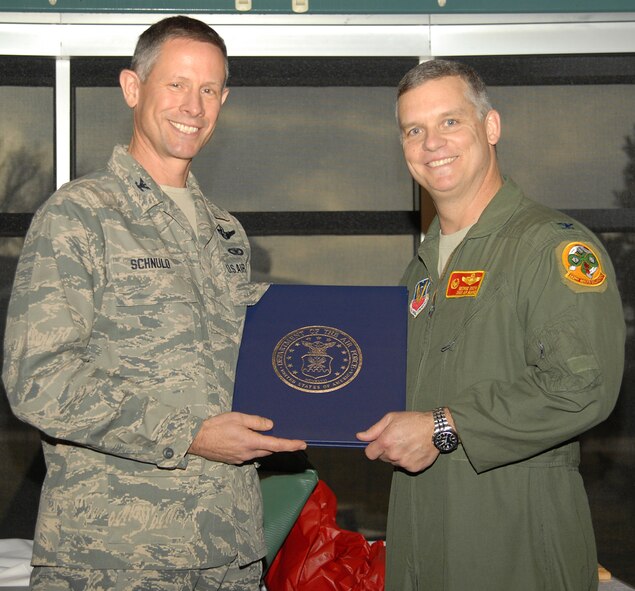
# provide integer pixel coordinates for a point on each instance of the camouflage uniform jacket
(122, 336)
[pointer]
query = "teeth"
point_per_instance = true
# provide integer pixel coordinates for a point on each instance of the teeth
(184, 128)
(441, 162)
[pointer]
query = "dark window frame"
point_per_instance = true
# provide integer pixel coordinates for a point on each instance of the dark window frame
(577, 69)
(27, 71)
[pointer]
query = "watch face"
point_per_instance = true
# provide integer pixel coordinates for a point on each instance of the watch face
(446, 441)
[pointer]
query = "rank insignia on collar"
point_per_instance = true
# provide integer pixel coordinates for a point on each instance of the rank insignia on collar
(581, 265)
(420, 297)
(464, 284)
(142, 185)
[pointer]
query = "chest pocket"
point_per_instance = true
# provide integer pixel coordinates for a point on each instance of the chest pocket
(157, 321)
(466, 321)
(150, 281)
(480, 307)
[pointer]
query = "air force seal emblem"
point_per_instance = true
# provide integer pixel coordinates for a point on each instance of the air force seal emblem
(317, 359)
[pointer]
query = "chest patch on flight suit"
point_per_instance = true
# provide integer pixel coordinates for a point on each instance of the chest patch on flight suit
(464, 284)
(420, 297)
(581, 265)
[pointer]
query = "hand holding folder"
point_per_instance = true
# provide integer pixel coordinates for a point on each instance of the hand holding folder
(323, 362)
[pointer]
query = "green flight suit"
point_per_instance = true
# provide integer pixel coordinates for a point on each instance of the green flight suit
(122, 336)
(527, 352)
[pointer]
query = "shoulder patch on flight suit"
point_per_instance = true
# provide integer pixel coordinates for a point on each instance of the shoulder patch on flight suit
(464, 284)
(581, 267)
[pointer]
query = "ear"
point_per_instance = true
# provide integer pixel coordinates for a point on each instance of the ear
(130, 83)
(223, 97)
(493, 127)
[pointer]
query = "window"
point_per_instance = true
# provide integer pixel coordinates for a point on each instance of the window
(26, 178)
(568, 139)
(307, 155)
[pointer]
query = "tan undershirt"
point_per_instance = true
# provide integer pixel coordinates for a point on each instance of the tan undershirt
(447, 245)
(182, 196)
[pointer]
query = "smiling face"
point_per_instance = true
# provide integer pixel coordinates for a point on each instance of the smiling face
(449, 150)
(176, 107)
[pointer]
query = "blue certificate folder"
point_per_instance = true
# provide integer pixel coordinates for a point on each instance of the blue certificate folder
(323, 362)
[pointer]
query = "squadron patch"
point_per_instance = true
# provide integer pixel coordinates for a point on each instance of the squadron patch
(420, 297)
(581, 265)
(464, 284)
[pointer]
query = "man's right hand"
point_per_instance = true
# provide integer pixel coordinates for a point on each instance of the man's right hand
(402, 439)
(234, 438)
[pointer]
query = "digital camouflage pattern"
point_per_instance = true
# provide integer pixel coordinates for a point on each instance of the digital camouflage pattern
(230, 577)
(122, 336)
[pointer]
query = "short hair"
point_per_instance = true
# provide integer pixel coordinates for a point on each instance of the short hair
(152, 39)
(437, 68)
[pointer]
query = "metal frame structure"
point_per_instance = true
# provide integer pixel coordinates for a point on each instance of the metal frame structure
(64, 35)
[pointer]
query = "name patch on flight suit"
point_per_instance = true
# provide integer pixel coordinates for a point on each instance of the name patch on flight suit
(581, 266)
(464, 284)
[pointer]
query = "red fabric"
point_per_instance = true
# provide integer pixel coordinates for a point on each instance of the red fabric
(318, 556)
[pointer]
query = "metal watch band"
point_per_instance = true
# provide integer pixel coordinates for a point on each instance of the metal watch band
(440, 422)
(444, 438)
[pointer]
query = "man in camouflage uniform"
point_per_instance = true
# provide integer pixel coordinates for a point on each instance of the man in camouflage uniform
(121, 344)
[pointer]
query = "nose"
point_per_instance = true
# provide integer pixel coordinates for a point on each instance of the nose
(433, 140)
(192, 103)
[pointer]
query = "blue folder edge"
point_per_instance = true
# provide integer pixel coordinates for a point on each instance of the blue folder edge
(323, 362)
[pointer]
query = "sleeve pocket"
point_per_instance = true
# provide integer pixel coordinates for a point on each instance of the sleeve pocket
(565, 357)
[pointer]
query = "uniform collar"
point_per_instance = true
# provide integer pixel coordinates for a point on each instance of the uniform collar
(143, 192)
(498, 211)
(143, 195)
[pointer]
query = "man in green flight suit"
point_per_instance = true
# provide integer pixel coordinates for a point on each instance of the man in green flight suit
(515, 348)
(121, 345)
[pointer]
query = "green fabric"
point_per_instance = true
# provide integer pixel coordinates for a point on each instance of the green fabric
(283, 497)
(525, 367)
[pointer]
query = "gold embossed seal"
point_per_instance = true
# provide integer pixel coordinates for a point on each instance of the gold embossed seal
(317, 359)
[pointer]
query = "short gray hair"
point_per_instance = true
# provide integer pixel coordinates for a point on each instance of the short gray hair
(152, 39)
(437, 68)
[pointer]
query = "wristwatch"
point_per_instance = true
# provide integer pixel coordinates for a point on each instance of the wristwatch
(444, 437)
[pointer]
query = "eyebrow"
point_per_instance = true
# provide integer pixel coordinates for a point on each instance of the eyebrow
(443, 115)
(453, 112)
(187, 78)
